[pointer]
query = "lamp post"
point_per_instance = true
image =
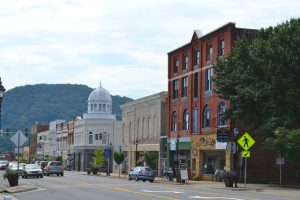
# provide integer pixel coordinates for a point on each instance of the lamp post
(236, 132)
(177, 158)
(136, 147)
(2, 90)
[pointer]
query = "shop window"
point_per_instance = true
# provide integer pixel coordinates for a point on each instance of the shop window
(213, 161)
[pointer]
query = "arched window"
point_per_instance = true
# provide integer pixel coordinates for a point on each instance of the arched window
(185, 120)
(100, 107)
(90, 137)
(92, 106)
(221, 115)
(104, 107)
(174, 122)
(95, 106)
(206, 117)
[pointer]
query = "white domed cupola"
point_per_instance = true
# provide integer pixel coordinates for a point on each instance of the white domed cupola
(100, 101)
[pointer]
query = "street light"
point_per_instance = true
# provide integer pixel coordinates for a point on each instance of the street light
(136, 147)
(2, 90)
(236, 132)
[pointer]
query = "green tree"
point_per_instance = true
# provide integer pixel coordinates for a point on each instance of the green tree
(119, 158)
(261, 79)
(151, 159)
(98, 159)
(58, 158)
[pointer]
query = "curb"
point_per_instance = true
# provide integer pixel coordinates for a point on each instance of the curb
(17, 189)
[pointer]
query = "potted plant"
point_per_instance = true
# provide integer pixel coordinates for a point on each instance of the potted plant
(228, 177)
(98, 160)
(12, 177)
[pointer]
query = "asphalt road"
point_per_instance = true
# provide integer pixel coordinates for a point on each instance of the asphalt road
(80, 186)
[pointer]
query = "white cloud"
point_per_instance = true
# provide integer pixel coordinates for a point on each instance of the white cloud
(123, 43)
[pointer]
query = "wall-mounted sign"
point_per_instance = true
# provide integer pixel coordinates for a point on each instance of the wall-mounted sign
(206, 141)
(223, 135)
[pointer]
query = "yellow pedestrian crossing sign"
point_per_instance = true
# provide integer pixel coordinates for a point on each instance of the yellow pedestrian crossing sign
(246, 141)
(246, 154)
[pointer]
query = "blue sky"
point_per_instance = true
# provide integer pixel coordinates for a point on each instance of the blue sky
(122, 43)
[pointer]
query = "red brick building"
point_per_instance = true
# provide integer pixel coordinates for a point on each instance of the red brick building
(195, 111)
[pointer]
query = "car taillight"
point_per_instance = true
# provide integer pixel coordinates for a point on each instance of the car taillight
(62, 167)
(49, 168)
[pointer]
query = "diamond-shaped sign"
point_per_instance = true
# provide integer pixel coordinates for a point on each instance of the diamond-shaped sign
(246, 141)
(22, 139)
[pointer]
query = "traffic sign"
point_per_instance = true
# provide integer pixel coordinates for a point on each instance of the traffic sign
(246, 141)
(279, 161)
(107, 153)
(246, 154)
(18, 139)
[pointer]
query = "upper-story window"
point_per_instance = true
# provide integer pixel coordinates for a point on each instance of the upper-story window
(185, 62)
(184, 86)
(176, 65)
(206, 117)
(209, 53)
(197, 57)
(221, 47)
(185, 120)
(196, 85)
(195, 120)
(90, 137)
(174, 122)
(221, 115)
(208, 79)
(175, 89)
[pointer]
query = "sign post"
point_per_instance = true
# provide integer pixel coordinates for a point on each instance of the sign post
(246, 142)
(280, 161)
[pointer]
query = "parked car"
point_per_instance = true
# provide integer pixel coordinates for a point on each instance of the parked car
(141, 173)
(3, 164)
(32, 170)
(54, 167)
(14, 167)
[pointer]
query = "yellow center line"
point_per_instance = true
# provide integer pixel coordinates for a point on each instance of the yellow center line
(139, 193)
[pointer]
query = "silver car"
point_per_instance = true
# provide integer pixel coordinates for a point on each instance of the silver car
(32, 170)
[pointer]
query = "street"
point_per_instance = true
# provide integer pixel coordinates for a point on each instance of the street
(78, 185)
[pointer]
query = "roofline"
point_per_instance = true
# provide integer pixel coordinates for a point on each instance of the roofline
(185, 45)
(150, 97)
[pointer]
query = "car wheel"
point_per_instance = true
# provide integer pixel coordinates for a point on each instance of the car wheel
(151, 181)
(47, 174)
(57, 174)
(136, 178)
(62, 174)
(41, 176)
(129, 178)
(25, 176)
(144, 180)
(22, 176)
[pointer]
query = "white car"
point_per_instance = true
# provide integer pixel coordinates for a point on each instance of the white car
(32, 170)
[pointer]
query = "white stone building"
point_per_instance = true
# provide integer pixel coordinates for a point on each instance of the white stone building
(144, 126)
(97, 128)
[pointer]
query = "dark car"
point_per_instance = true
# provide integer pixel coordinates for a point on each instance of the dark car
(32, 170)
(141, 173)
(54, 167)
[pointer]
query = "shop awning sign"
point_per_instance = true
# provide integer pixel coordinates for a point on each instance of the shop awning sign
(246, 141)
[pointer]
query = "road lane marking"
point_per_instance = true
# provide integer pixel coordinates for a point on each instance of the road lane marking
(229, 198)
(139, 193)
(165, 191)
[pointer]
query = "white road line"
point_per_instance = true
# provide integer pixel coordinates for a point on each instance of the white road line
(175, 192)
(229, 198)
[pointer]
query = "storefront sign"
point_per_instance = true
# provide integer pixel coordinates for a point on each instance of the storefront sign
(206, 141)
(221, 145)
(222, 135)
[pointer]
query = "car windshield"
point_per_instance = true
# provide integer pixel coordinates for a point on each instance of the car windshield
(3, 161)
(55, 164)
(146, 169)
(31, 166)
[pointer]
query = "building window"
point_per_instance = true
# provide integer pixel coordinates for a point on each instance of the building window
(185, 120)
(186, 62)
(90, 137)
(196, 85)
(176, 65)
(208, 79)
(209, 53)
(184, 86)
(221, 47)
(174, 122)
(96, 136)
(197, 57)
(206, 117)
(175, 89)
(221, 115)
(195, 120)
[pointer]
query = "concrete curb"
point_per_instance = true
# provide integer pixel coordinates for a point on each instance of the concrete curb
(19, 188)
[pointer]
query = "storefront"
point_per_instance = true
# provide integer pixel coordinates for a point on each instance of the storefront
(208, 156)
